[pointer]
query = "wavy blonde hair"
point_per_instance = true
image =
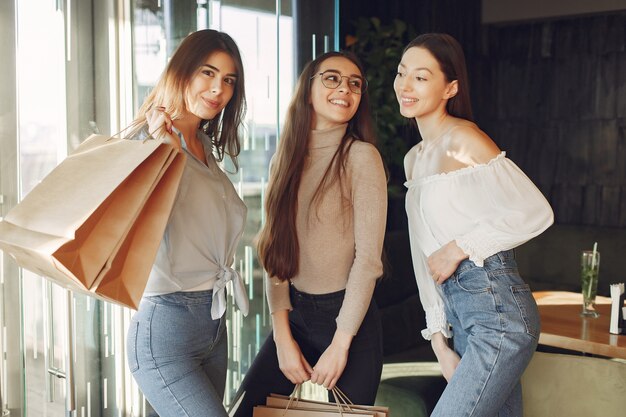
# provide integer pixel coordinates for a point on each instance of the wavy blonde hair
(171, 89)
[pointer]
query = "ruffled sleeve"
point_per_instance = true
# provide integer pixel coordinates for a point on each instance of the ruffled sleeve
(509, 209)
(429, 295)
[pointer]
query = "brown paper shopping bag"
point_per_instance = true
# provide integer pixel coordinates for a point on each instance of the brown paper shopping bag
(294, 406)
(281, 401)
(94, 224)
(267, 411)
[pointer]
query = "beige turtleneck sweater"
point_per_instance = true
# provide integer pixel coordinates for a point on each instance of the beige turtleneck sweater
(340, 243)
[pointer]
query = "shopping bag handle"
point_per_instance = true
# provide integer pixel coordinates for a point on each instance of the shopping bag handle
(341, 399)
(296, 394)
(135, 128)
(130, 126)
(340, 396)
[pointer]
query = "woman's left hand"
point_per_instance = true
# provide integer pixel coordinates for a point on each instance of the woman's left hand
(331, 364)
(444, 261)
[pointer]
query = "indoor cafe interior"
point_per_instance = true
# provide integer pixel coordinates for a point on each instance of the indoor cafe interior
(548, 85)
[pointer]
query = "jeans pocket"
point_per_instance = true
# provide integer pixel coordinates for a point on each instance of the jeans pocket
(474, 280)
(131, 347)
(527, 308)
(219, 330)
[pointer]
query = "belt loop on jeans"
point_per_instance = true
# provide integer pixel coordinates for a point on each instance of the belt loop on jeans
(505, 255)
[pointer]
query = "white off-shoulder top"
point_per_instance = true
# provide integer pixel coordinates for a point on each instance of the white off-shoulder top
(486, 208)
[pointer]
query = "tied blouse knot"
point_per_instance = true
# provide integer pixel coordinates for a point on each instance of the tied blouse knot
(199, 244)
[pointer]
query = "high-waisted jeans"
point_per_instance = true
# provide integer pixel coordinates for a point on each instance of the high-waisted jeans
(313, 326)
(495, 322)
(178, 354)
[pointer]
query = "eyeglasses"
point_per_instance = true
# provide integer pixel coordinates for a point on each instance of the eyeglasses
(333, 79)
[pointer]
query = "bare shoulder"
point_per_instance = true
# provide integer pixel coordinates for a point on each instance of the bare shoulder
(472, 145)
(409, 159)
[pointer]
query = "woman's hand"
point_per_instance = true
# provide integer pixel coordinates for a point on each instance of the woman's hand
(448, 359)
(331, 364)
(158, 118)
(159, 121)
(444, 261)
(291, 361)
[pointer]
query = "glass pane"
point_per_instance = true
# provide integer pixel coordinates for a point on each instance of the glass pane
(41, 91)
(267, 40)
(149, 49)
(10, 312)
(61, 332)
(42, 144)
(269, 68)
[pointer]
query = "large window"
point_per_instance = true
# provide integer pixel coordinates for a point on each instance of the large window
(157, 31)
(64, 352)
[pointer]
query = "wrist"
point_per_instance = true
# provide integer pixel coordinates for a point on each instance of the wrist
(283, 338)
(342, 340)
(281, 329)
(439, 342)
(458, 252)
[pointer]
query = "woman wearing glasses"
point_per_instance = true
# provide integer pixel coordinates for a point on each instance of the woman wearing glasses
(322, 242)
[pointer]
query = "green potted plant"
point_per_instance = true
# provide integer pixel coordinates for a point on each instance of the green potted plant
(380, 46)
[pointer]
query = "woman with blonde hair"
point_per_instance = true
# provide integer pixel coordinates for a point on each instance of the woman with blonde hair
(177, 340)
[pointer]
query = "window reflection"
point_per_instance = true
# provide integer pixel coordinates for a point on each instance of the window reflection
(269, 81)
(42, 145)
(41, 91)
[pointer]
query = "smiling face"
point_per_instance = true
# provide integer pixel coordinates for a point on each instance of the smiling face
(332, 107)
(212, 86)
(421, 87)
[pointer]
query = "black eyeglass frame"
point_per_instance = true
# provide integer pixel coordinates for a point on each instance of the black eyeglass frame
(363, 81)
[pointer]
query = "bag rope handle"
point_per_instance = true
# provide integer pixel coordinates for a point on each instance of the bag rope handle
(341, 399)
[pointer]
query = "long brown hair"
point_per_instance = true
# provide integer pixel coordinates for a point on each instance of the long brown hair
(278, 245)
(170, 90)
(448, 52)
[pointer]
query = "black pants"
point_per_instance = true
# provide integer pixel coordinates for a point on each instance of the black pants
(313, 326)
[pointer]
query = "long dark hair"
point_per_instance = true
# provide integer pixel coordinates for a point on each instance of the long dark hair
(448, 52)
(170, 90)
(278, 245)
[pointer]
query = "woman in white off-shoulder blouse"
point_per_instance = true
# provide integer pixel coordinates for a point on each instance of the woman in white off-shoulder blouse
(468, 207)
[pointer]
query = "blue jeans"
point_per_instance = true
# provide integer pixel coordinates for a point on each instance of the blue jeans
(495, 322)
(178, 354)
(312, 323)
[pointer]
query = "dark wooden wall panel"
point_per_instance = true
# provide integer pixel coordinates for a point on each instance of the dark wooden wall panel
(572, 160)
(605, 81)
(566, 80)
(603, 147)
(620, 87)
(551, 93)
(610, 206)
(622, 210)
